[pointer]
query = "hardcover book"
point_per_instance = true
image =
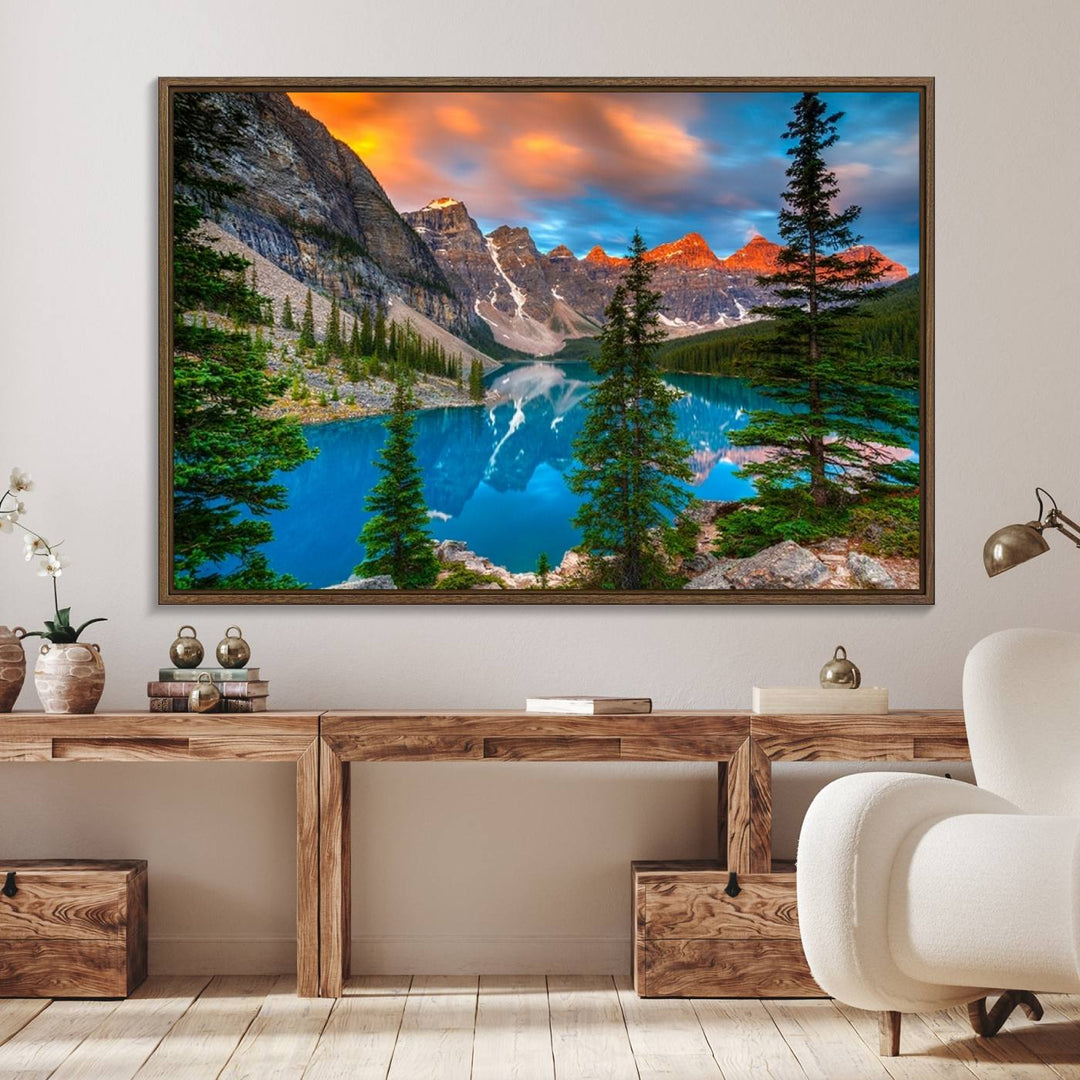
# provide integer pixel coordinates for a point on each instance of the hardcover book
(191, 674)
(588, 706)
(818, 701)
(226, 705)
(225, 689)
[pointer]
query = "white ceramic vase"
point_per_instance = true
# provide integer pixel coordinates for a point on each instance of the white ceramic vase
(69, 678)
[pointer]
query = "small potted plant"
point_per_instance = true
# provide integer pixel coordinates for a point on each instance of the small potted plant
(69, 674)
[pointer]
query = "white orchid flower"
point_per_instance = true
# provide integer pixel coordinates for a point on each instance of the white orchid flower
(7, 521)
(54, 565)
(20, 481)
(34, 545)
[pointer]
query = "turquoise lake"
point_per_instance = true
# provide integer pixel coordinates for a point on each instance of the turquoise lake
(494, 478)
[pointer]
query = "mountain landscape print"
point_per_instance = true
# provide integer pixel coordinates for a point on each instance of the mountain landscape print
(546, 342)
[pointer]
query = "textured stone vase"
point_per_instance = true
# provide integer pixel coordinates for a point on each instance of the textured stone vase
(69, 678)
(12, 666)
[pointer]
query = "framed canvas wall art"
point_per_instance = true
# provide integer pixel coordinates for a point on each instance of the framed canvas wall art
(546, 341)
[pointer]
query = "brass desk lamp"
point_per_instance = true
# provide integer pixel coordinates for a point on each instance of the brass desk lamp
(1014, 544)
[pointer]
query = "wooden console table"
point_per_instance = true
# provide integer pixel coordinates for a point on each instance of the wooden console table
(269, 736)
(902, 735)
(322, 745)
(743, 745)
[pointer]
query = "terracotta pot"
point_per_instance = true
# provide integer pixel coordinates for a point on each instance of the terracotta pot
(69, 678)
(12, 666)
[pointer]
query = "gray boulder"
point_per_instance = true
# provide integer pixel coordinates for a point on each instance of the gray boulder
(453, 551)
(783, 566)
(706, 511)
(380, 581)
(869, 573)
(699, 563)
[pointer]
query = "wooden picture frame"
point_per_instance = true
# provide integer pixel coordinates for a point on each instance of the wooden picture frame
(172, 591)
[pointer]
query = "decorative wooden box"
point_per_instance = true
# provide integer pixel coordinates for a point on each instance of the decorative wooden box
(71, 928)
(693, 939)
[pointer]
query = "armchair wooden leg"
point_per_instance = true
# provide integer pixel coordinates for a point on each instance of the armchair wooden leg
(889, 1033)
(988, 1024)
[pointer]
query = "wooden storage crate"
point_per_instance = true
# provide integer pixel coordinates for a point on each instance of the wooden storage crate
(691, 939)
(72, 928)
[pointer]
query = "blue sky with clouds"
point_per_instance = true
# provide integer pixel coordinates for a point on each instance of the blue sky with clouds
(737, 193)
(588, 168)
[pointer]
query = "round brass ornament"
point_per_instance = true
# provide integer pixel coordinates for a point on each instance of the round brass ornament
(233, 652)
(840, 673)
(204, 695)
(186, 651)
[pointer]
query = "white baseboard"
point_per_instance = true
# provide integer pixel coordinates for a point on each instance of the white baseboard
(430, 954)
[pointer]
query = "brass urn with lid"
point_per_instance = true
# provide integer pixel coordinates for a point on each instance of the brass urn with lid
(840, 673)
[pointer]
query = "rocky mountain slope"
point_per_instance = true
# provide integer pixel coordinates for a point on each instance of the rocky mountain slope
(308, 204)
(535, 302)
(330, 392)
(505, 280)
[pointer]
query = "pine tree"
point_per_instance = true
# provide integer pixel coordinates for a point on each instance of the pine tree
(307, 325)
(367, 338)
(396, 539)
(543, 568)
(354, 341)
(392, 342)
(630, 457)
(380, 334)
(287, 316)
(476, 381)
(226, 450)
(837, 406)
(332, 336)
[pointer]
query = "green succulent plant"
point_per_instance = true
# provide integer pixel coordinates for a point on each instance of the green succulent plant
(60, 631)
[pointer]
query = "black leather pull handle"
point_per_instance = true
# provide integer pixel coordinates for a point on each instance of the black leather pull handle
(9, 884)
(732, 887)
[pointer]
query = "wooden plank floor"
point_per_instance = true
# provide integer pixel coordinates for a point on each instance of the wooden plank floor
(524, 1027)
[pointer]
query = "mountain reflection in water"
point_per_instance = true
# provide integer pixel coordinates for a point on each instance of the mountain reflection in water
(493, 476)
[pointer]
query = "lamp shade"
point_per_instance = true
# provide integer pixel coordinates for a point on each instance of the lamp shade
(1012, 545)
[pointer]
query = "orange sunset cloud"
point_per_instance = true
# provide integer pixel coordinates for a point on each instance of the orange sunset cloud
(497, 151)
(462, 121)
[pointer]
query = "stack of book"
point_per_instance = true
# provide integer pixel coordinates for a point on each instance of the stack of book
(241, 689)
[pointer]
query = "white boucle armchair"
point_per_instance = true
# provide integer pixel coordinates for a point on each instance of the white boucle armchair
(918, 893)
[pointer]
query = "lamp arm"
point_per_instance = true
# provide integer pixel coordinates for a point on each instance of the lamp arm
(1057, 520)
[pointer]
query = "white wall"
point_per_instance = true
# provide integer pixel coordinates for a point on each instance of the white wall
(495, 867)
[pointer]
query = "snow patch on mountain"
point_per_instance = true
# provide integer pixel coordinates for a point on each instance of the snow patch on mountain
(515, 292)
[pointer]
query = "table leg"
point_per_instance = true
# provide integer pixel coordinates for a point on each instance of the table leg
(749, 810)
(334, 872)
(307, 872)
(722, 813)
